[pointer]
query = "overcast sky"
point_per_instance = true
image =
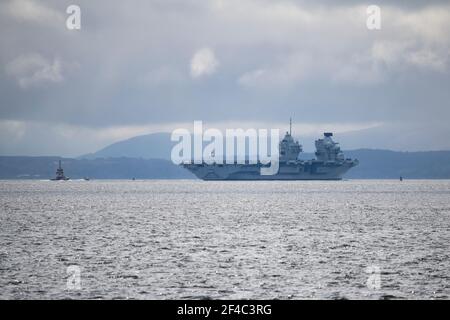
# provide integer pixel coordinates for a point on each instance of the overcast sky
(138, 67)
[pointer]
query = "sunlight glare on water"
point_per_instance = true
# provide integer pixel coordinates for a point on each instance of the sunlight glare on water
(164, 239)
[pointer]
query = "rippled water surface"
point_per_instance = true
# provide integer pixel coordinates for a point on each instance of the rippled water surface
(194, 239)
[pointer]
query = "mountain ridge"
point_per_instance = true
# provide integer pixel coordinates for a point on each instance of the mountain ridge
(373, 164)
(159, 146)
(148, 157)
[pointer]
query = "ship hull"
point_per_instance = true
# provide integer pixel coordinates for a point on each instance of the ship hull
(308, 170)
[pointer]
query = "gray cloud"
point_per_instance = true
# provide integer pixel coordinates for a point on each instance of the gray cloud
(33, 69)
(130, 66)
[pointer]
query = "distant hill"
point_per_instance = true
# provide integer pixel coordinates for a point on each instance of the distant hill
(385, 164)
(374, 164)
(150, 146)
(148, 157)
(102, 168)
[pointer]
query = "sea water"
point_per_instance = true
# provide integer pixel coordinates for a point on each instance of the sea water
(191, 239)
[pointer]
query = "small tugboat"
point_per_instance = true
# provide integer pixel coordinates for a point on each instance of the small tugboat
(60, 174)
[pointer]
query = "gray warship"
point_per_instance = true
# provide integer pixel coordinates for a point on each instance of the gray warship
(329, 164)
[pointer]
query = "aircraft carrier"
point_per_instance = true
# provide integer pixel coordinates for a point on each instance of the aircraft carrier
(329, 164)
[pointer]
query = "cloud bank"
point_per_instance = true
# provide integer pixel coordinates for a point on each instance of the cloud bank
(157, 64)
